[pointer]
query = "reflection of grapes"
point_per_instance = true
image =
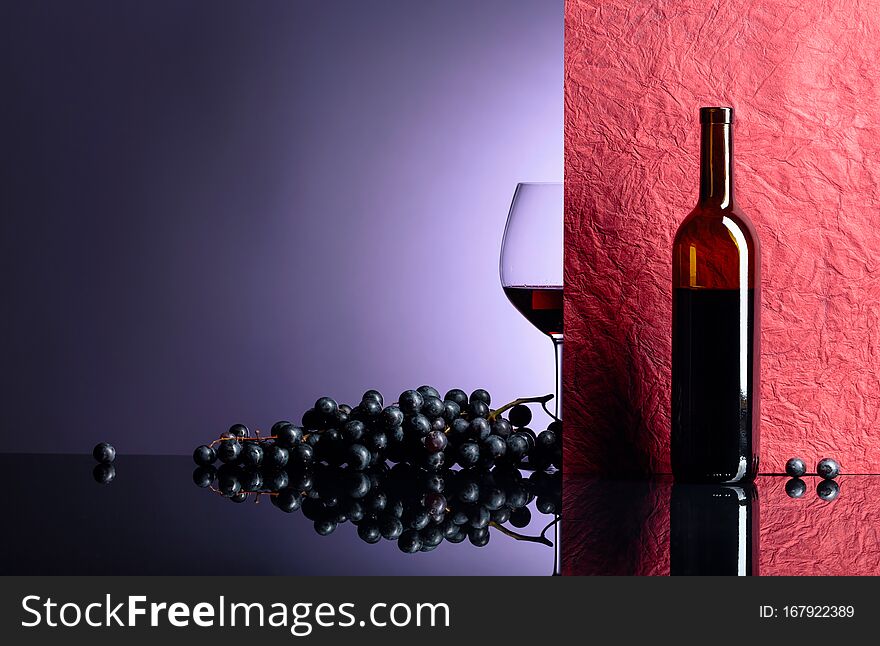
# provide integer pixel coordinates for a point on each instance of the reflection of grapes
(403, 503)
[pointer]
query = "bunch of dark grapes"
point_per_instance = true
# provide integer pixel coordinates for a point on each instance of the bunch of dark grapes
(421, 429)
(417, 508)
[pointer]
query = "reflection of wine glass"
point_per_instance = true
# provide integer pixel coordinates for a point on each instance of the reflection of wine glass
(531, 263)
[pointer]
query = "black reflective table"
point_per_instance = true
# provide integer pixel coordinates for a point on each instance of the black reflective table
(153, 520)
(775, 526)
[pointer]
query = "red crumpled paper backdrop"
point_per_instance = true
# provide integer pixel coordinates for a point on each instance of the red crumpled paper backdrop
(803, 78)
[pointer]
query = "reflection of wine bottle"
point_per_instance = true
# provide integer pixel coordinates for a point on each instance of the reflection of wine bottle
(716, 283)
(714, 530)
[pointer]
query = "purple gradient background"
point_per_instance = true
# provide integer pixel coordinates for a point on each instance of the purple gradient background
(215, 212)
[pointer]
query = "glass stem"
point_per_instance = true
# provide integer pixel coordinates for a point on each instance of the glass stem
(557, 528)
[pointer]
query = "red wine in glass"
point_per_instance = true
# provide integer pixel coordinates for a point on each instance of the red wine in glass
(540, 305)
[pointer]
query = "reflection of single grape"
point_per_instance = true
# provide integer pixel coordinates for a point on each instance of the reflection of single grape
(828, 490)
(104, 473)
(795, 488)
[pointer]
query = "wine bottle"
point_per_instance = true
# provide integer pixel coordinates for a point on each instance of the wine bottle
(714, 530)
(716, 305)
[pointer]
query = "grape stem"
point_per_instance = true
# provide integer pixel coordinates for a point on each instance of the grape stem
(245, 439)
(523, 400)
(541, 538)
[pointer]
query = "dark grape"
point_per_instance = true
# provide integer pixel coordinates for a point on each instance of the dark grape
(501, 515)
(828, 468)
(431, 536)
(287, 436)
(520, 415)
(435, 461)
(410, 402)
(517, 446)
(545, 505)
(326, 406)
(276, 480)
(358, 456)
(458, 396)
(251, 454)
(795, 467)
(556, 427)
(459, 430)
(345, 408)
(479, 537)
(339, 418)
(546, 440)
(374, 394)
(458, 537)
(376, 441)
(416, 518)
(239, 430)
(433, 406)
(104, 453)
(478, 409)
(478, 516)
(435, 503)
(530, 437)
(251, 480)
(795, 488)
(325, 527)
(353, 431)
(203, 476)
(275, 456)
(303, 454)
(480, 428)
(409, 542)
(435, 441)
(204, 455)
(287, 500)
(480, 395)
(520, 517)
(460, 517)
(390, 527)
(502, 428)
(493, 447)
(312, 420)
(228, 484)
(468, 454)
(375, 501)
(239, 497)
(104, 473)
(451, 410)
(277, 426)
(392, 417)
(438, 424)
(492, 498)
(369, 532)
(469, 492)
(369, 409)
(228, 451)
(355, 485)
(435, 483)
(828, 490)
(417, 425)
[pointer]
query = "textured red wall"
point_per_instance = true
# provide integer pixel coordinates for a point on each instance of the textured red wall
(804, 80)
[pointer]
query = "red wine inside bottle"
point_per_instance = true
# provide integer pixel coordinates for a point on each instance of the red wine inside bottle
(715, 324)
(542, 306)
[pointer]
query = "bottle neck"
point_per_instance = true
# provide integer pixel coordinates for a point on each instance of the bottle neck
(716, 164)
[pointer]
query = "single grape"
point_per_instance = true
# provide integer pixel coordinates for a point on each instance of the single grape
(370, 409)
(460, 517)
(339, 418)
(251, 454)
(479, 537)
(104, 473)
(435, 461)
(239, 497)
(435, 441)
(435, 483)
(410, 402)
(492, 498)
(435, 503)
(369, 532)
(480, 395)
(376, 441)
(104, 453)
(459, 430)
(501, 515)
(546, 505)
(556, 427)
(415, 518)
(468, 454)
(409, 542)
(251, 479)
(828, 490)
(287, 436)
(520, 415)
(828, 469)
(451, 410)
(355, 485)
(275, 456)
(395, 435)
(432, 406)
(469, 492)
(203, 476)
(354, 510)
(228, 484)
(438, 424)
(390, 527)
(431, 537)
(228, 451)
(502, 428)
(546, 440)
(287, 500)
(375, 501)
(353, 431)
(795, 488)
(373, 394)
(520, 517)
(480, 428)
(345, 408)
(277, 426)
(276, 480)
(312, 420)
(517, 446)
(358, 456)
(392, 417)
(493, 447)
(240, 430)
(417, 425)
(458, 396)
(303, 454)
(325, 527)
(478, 517)
(478, 409)
(204, 455)
(530, 437)
(326, 406)
(458, 537)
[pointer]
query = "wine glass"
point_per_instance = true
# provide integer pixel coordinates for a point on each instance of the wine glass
(531, 263)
